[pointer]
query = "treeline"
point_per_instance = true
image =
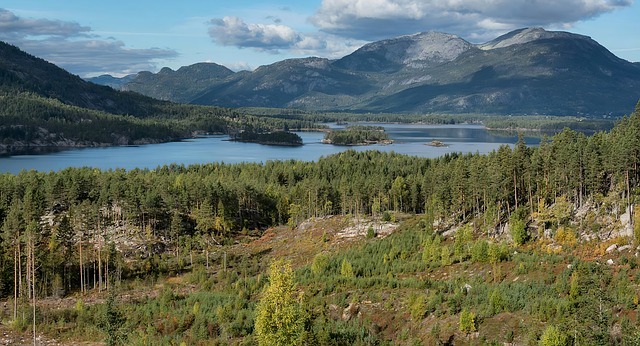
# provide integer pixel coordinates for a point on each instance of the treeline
(271, 138)
(27, 119)
(190, 207)
(543, 123)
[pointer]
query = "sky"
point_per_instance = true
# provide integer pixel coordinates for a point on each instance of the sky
(91, 38)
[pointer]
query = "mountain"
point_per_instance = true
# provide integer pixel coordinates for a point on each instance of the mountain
(421, 50)
(287, 82)
(22, 72)
(527, 71)
(180, 85)
(44, 106)
(559, 74)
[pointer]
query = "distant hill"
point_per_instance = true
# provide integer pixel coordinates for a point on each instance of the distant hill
(180, 85)
(111, 81)
(527, 71)
(285, 83)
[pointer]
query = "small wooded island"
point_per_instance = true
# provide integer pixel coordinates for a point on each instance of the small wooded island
(283, 138)
(358, 135)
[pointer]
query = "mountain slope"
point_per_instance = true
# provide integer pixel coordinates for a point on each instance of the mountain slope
(416, 51)
(282, 83)
(547, 76)
(180, 85)
(23, 72)
(526, 71)
(42, 105)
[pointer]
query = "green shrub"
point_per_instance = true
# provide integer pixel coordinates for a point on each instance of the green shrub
(552, 336)
(480, 251)
(346, 269)
(467, 322)
(371, 233)
(518, 231)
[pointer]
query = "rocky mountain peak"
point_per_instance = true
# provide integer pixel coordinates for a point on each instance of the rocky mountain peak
(418, 51)
(206, 68)
(435, 46)
(166, 71)
(526, 35)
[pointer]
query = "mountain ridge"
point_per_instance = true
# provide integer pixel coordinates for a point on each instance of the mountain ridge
(526, 71)
(22, 72)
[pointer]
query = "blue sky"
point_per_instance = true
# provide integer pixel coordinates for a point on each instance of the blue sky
(90, 38)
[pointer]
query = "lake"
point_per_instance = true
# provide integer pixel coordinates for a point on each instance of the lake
(409, 139)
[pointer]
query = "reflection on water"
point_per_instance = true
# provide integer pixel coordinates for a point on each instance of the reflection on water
(409, 139)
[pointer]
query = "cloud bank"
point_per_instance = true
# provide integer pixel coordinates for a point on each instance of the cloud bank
(376, 19)
(16, 27)
(273, 38)
(345, 25)
(74, 47)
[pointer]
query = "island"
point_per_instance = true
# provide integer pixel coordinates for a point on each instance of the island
(436, 143)
(358, 135)
(282, 138)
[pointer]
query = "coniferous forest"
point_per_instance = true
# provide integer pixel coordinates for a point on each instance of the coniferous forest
(526, 245)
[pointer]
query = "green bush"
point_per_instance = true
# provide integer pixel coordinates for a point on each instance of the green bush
(518, 231)
(467, 322)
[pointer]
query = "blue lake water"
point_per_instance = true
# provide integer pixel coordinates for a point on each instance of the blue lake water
(409, 139)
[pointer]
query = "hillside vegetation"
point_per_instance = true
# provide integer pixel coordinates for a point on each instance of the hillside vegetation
(44, 107)
(523, 245)
(357, 135)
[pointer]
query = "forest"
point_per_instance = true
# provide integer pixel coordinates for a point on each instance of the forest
(489, 249)
(270, 138)
(357, 135)
(531, 123)
(29, 120)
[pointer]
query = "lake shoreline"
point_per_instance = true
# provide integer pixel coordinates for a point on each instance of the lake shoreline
(217, 148)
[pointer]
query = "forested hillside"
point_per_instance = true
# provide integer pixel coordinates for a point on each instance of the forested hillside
(31, 122)
(44, 106)
(505, 247)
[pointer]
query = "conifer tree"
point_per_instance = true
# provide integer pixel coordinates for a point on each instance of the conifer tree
(278, 313)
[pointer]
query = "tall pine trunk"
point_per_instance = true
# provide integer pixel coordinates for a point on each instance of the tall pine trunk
(33, 283)
(81, 267)
(15, 283)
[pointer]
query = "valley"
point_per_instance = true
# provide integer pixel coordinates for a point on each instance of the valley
(197, 239)
(377, 247)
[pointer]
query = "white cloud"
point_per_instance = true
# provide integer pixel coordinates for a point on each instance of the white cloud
(233, 31)
(376, 19)
(76, 48)
(240, 66)
(326, 46)
(12, 26)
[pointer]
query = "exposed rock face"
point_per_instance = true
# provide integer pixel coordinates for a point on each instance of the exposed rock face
(350, 311)
(416, 51)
